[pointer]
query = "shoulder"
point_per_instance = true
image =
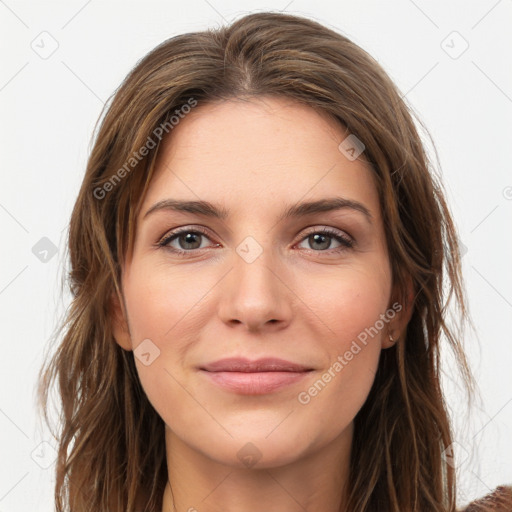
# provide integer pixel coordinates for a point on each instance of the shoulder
(500, 500)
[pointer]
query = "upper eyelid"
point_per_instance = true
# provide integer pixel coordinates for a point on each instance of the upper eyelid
(178, 231)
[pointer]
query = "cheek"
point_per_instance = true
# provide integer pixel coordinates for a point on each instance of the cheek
(352, 311)
(165, 303)
(348, 302)
(166, 307)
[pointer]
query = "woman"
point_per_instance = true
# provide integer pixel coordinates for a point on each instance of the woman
(221, 355)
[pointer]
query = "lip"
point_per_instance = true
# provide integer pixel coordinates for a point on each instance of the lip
(258, 377)
(265, 364)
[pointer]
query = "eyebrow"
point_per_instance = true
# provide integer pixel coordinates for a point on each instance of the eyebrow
(301, 209)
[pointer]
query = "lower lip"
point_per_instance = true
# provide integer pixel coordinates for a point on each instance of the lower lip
(254, 383)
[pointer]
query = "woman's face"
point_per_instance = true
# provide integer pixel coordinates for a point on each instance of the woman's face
(252, 276)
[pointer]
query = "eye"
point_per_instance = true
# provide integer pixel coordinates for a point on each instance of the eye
(321, 240)
(187, 239)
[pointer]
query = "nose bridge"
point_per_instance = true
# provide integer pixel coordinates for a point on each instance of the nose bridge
(252, 270)
(255, 295)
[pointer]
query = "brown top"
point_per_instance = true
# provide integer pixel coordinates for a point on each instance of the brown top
(500, 500)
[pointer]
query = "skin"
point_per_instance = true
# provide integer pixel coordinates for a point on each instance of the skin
(297, 300)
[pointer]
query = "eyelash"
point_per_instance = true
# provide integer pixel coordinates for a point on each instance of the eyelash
(345, 241)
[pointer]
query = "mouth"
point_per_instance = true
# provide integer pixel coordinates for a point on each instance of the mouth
(260, 377)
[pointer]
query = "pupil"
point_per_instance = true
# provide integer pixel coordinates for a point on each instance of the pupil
(317, 238)
(189, 238)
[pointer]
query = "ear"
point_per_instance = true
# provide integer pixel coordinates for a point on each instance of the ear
(119, 324)
(402, 303)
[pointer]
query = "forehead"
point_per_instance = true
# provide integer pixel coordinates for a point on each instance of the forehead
(247, 152)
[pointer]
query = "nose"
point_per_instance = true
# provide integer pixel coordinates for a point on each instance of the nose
(256, 294)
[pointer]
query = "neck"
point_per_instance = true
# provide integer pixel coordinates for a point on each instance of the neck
(317, 481)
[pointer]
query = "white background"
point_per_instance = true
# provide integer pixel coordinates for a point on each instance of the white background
(48, 110)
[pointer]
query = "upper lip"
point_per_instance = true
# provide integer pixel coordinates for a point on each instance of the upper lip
(267, 364)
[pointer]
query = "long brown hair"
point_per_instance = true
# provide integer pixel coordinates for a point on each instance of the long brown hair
(111, 441)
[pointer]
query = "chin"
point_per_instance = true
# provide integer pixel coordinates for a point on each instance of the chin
(254, 449)
(258, 453)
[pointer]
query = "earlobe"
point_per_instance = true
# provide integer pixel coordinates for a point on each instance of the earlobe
(119, 324)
